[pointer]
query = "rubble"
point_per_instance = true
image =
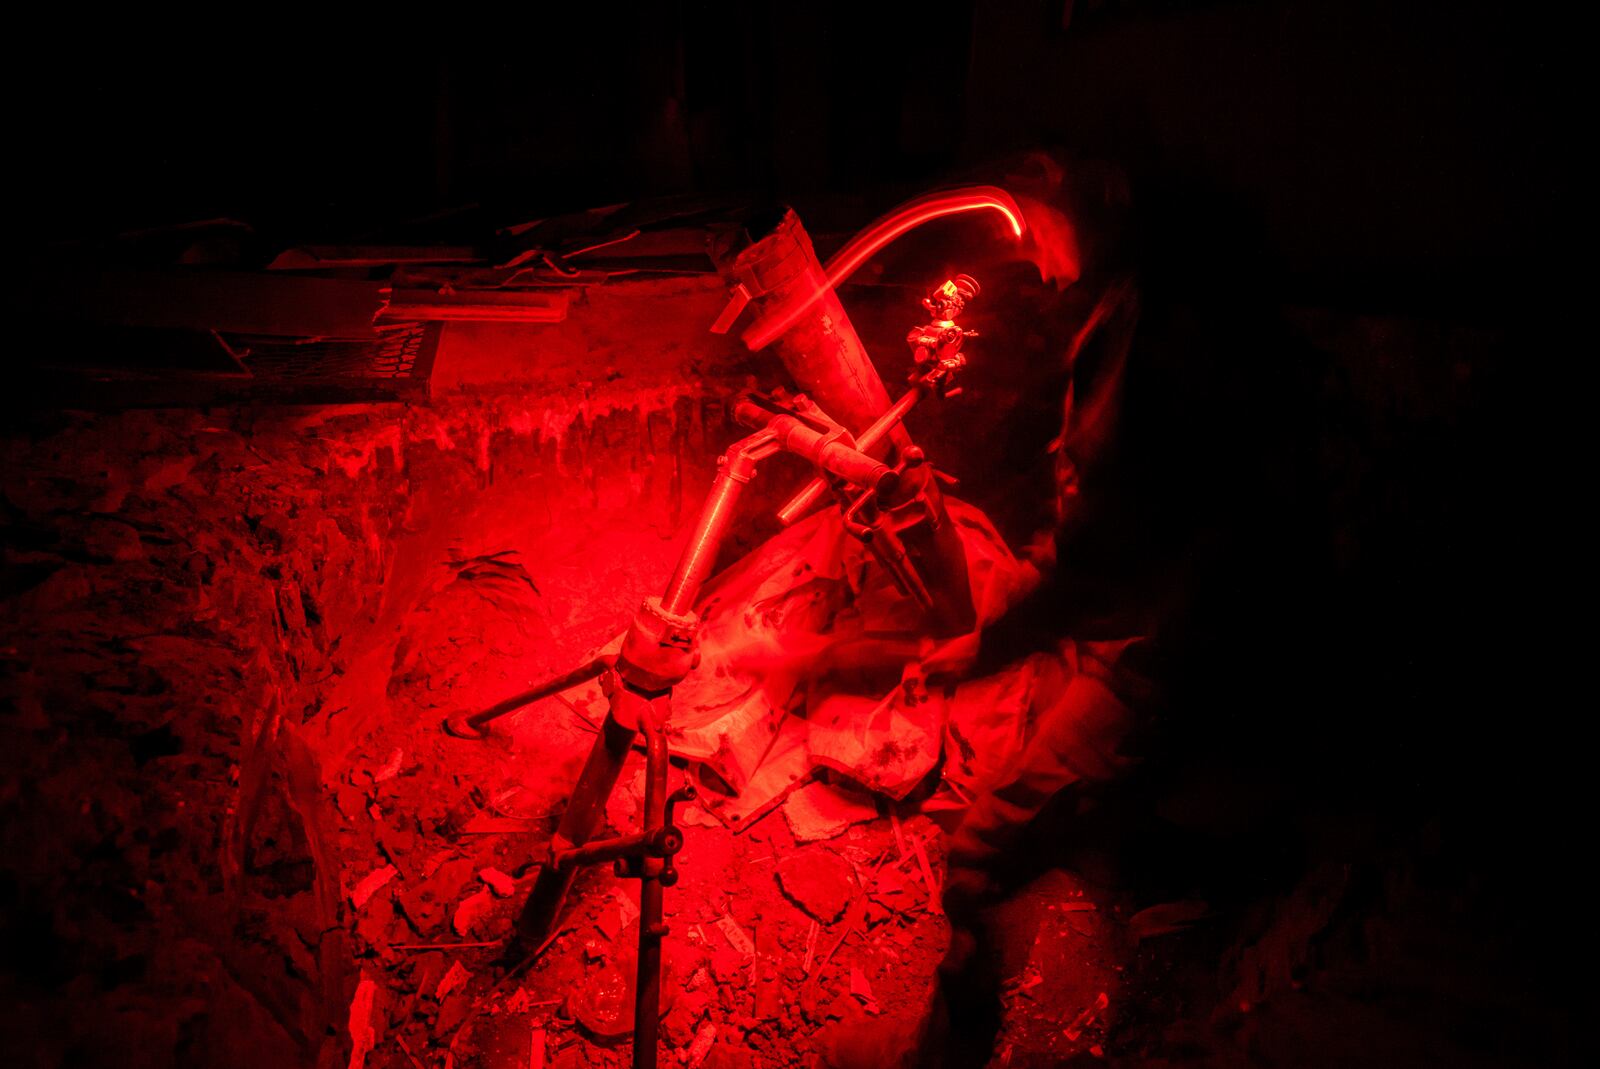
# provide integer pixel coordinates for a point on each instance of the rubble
(425, 903)
(502, 885)
(452, 981)
(391, 768)
(678, 1026)
(819, 881)
(811, 948)
(894, 891)
(537, 1040)
(362, 1027)
(1087, 1017)
(603, 1005)
(371, 885)
(472, 912)
(704, 1037)
(821, 811)
(735, 935)
(388, 816)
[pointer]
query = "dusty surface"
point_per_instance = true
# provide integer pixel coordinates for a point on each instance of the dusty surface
(206, 615)
(780, 952)
(229, 638)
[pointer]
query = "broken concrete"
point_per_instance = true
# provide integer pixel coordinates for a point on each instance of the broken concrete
(819, 881)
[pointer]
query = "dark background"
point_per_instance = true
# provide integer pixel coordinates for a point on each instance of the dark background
(1391, 168)
(1385, 151)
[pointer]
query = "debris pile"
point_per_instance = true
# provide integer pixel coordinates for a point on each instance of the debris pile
(237, 792)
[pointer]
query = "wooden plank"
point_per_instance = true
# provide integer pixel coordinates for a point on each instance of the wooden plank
(321, 257)
(480, 306)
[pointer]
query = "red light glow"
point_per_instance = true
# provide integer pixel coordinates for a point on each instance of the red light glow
(859, 249)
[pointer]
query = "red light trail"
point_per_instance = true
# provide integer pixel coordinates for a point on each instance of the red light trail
(863, 246)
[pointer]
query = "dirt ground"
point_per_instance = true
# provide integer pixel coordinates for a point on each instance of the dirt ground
(780, 953)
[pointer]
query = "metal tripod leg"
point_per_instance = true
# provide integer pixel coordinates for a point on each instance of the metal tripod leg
(578, 824)
(647, 988)
(645, 855)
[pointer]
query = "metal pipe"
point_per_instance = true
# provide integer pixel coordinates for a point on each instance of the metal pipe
(716, 516)
(647, 989)
(829, 451)
(803, 502)
(820, 348)
(472, 727)
(600, 851)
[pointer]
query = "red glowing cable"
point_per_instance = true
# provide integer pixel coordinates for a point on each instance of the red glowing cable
(908, 216)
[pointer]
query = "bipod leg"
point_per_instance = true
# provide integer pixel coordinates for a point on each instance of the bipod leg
(538, 921)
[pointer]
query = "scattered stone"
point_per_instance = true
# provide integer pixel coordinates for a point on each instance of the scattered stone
(821, 811)
(1022, 984)
(472, 912)
(703, 1041)
(502, 885)
(819, 881)
(396, 847)
(1087, 1017)
(626, 906)
(693, 816)
(363, 1029)
(424, 904)
(609, 920)
(451, 982)
(391, 768)
(603, 1004)
(736, 935)
(678, 1027)
(894, 891)
(169, 473)
(370, 886)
